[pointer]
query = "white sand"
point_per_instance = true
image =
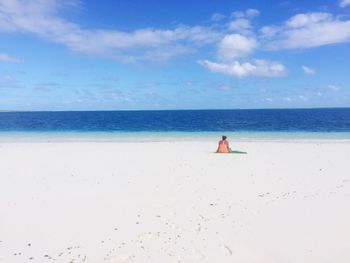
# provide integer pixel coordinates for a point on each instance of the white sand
(175, 202)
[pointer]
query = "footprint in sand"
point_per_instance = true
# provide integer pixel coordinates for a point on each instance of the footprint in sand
(227, 250)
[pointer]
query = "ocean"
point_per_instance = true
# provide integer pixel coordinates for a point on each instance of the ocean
(267, 123)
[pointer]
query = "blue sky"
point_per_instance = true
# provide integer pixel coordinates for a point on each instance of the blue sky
(193, 54)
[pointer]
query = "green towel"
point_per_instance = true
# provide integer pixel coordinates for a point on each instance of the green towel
(238, 152)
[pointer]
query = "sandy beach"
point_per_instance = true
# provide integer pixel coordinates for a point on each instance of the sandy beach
(175, 201)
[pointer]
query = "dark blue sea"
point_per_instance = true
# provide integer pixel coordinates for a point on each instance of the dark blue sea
(265, 122)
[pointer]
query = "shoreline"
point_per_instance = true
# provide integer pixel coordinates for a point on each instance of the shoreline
(116, 137)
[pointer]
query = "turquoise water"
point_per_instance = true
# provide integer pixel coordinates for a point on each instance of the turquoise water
(166, 136)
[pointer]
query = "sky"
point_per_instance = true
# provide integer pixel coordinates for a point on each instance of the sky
(183, 54)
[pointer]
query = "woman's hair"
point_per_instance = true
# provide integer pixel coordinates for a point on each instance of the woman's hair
(224, 137)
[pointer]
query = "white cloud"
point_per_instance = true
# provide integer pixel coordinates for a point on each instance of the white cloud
(333, 87)
(242, 22)
(269, 31)
(41, 18)
(306, 31)
(235, 46)
(7, 81)
(217, 17)
(252, 12)
(307, 70)
(249, 13)
(240, 45)
(344, 3)
(240, 25)
(7, 58)
(257, 68)
(302, 20)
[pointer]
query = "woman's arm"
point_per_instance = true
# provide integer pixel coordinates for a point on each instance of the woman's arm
(228, 146)
(218, 147)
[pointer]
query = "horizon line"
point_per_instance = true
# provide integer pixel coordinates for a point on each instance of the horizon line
(204, 109)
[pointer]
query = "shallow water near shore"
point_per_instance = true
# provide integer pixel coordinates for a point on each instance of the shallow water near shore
(54, 136)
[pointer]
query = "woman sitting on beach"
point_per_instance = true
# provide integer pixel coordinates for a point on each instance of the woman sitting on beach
(224, 146)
